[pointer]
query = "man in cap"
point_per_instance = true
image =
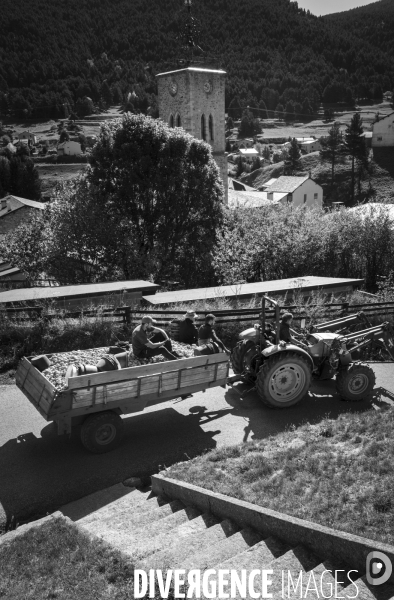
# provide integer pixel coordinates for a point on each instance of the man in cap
(148, 341)
(207, 334)
(188, 333)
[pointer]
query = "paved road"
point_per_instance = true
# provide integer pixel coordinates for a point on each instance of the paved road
(40, 471)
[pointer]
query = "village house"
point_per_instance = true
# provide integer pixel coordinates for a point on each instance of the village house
(255, 199)
(249, 154)
(299, 191)
(387, 96)
(383, 132)
(310, 146)
(14, 211)
(69, 148)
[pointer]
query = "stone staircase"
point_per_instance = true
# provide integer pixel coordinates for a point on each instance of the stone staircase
(160, 533)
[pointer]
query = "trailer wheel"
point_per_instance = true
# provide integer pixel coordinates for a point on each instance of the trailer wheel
(238, 356)
(356, 382)
(283, 380)
(102, 432)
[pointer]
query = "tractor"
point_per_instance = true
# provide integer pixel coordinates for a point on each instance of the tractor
(282, 372)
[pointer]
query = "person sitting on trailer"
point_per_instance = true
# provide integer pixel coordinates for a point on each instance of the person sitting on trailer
(207, 334)
(188, 333)
(286, 334)
(149, 341)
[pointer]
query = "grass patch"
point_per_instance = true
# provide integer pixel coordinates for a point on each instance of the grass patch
(59, 561)
(338, 473)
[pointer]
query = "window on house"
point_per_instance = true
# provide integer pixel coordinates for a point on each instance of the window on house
(203, 128)
(315, 196)
(171, 122)
(178, 120)
(380, 139)
(290, 198)
(305, 198)
(211, 128)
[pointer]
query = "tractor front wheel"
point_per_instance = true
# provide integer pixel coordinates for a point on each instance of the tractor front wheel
(284, 379)
(238, 356)
(356, 382)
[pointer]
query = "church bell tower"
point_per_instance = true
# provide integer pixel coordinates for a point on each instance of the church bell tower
(193, 97)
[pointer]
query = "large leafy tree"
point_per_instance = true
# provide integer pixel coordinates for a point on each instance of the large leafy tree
(355, 146)
(160, 188)
(332, 149)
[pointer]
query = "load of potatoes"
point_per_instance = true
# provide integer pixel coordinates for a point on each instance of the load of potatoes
(89, 361)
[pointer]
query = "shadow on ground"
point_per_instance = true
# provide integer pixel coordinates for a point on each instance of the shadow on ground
(38, 475)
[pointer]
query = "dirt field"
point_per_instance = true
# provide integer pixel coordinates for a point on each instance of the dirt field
(50, 175)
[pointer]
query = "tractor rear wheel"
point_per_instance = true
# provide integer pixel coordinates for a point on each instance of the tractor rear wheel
(238, 356)
(284, 379)
(356, 382)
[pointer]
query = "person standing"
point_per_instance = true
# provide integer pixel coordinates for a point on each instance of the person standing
(207, 334)
(188, 333)
(149, 341)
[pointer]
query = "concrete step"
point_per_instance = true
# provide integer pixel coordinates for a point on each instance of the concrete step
(123, 519)
(131, 541)
(174, 556)
(180, 536)
(223, 550)
(100, 501)
(126, 508)
(257, 556)
(286, 568)
(369, 592)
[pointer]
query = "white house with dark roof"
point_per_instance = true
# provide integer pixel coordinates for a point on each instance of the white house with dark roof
(300, 191)
(383, 132)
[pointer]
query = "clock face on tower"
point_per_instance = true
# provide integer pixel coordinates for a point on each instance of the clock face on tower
(173, 88)
(207, 87)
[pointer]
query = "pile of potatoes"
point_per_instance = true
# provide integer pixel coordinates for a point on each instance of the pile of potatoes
(60, 362)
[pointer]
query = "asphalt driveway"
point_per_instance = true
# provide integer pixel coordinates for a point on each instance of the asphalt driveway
(40, 471)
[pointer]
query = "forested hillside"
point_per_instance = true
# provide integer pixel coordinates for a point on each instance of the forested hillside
(374, 23)
(54, 56)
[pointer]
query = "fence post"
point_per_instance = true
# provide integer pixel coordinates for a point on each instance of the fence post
(127, 314)
(345, 307)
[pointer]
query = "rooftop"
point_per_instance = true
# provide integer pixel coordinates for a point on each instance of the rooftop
(249, 151)
(278, 286)
(287, 184)
(76, 291)
(15, 202)
(192, 69)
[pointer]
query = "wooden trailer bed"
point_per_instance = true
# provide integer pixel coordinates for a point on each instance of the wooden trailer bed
(124, 391)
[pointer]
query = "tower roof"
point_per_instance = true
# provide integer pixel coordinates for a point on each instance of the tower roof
(193, 69)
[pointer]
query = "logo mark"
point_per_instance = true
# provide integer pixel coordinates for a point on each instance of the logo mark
(379, 568)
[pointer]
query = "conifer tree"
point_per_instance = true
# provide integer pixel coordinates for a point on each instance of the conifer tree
(332, 149)
(355, 146)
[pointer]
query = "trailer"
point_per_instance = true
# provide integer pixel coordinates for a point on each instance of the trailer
(96, 401)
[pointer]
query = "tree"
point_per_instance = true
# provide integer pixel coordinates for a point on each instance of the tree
(234, 108)
(240, 166)
(328, 114)
(64, 136)
(25, 247)
(266, 153)
(355, 146)
(83, 141)
(289, 111)
(256, 164)
(332, 149)
(229, 124)
(161, 189)
(19, 176)
(293, 162)
(84, 106)
(280, 112)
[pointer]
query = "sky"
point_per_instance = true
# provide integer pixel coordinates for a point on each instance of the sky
(324, 7)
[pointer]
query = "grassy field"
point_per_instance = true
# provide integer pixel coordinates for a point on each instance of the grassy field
(338, 473)
(58, 561)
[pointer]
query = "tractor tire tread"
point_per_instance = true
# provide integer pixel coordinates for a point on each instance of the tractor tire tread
(262, 376)
(341, 381)
(92, 422)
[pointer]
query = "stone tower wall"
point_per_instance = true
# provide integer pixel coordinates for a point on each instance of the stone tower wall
(191, 101)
